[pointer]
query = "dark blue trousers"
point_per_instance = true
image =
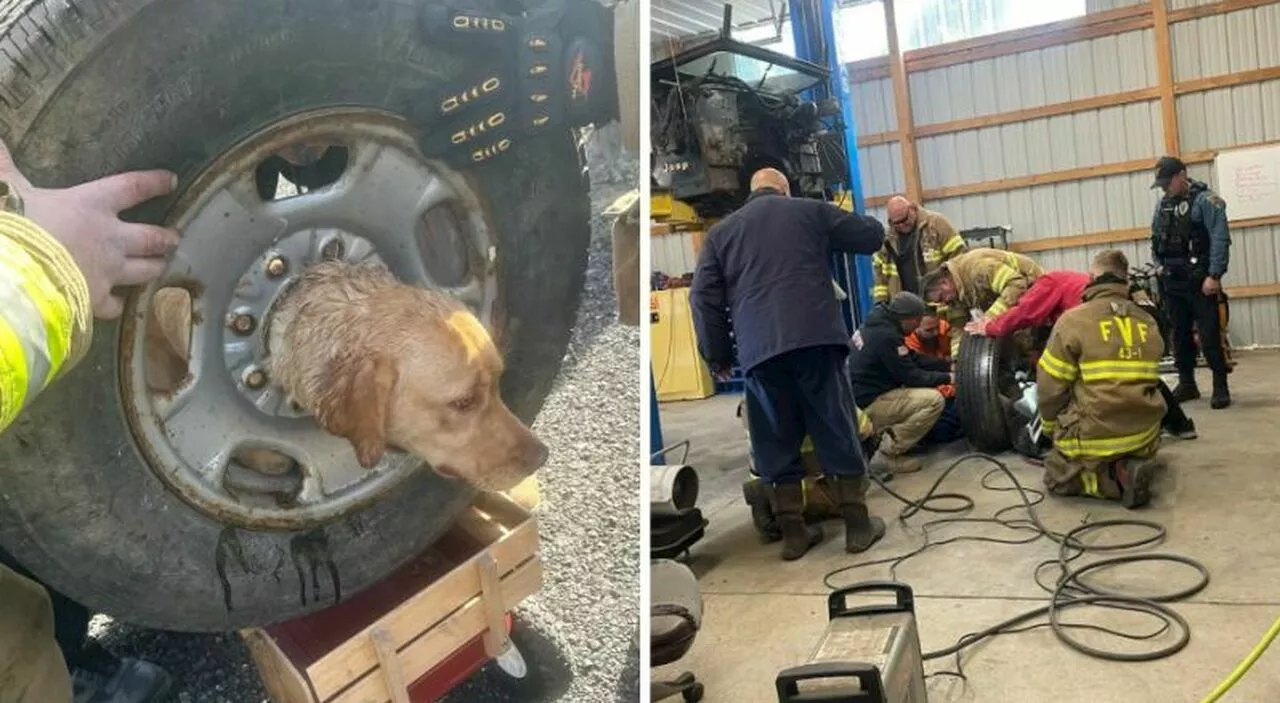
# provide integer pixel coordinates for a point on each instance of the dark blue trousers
(802, 392)
(948, 428)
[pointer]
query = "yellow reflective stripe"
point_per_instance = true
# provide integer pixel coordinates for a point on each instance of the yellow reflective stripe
(956, 242)
(890, 269)
(13, 374)
(1089, 482)
(930, 256)
(1117, 370)
(997, 308)
(1002, 276)
(807, 445)
(865, 428)
(1106, 447)
(1048, 425)
(48, 300)
(880, 291)
(1057, 368)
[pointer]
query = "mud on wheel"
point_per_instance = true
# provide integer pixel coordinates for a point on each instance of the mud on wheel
(438, 139)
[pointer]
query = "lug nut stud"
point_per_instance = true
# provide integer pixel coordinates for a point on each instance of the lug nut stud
(243, 324)
(256, 379)
(276, 267)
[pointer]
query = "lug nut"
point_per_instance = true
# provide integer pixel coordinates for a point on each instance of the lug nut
(242, 324)
(256, 379)
(333, 249)
(276, 267)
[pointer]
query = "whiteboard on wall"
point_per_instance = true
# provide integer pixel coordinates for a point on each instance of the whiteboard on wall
(1249, 180)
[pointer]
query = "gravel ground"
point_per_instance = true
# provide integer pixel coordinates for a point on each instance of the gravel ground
(579, 635)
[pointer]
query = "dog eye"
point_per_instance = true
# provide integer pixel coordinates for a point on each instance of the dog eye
(464, 404)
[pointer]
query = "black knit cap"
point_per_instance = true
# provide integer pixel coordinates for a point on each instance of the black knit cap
(906, 305)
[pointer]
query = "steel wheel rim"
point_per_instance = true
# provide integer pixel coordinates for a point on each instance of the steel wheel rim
(390, 204)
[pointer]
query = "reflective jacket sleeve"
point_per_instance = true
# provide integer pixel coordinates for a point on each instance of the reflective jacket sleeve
(1057, 371)
(880, 271)
(1213, 214)
(709, 299)
(949, 240)
(46, 319)
(1009, 284)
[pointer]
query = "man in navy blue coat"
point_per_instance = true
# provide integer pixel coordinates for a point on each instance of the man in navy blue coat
(766, 267)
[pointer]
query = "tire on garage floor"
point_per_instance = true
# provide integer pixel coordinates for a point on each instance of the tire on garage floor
(101, 86)
(978, 399)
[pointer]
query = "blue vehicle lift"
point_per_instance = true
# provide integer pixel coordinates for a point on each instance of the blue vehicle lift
(813, 28)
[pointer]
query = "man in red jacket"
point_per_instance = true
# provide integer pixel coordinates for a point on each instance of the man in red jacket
(1044, 302)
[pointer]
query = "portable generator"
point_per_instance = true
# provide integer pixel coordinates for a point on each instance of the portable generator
(869, 653)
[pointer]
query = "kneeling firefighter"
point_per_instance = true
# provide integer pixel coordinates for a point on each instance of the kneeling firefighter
(1097, 382)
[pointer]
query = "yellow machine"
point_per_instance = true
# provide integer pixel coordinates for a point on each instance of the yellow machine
(679, 373)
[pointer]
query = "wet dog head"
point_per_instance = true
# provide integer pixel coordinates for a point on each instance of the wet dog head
(425, 380)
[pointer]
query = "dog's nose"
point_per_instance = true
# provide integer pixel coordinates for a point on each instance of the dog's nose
(538, 456)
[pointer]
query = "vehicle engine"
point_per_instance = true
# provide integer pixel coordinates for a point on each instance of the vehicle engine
(718, 115)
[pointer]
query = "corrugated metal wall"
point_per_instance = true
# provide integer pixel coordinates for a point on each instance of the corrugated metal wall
(1214, 119)
(672, 254)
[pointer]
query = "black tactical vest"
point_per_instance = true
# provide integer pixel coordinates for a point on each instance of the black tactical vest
(1179, 242)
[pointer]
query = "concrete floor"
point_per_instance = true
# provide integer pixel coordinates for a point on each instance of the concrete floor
(1219, 500)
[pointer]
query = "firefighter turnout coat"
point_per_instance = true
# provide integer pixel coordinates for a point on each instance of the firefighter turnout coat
(987, 280)
(45, 325)
(46, 318)
(1097, 377)
(935, 240)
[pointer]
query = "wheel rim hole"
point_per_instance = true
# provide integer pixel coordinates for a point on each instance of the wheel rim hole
(299, 169)
(263, 477)
(168, 339)
(448, 258)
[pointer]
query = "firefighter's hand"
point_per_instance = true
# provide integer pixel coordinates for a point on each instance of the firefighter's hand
(1211, 287)
(86, 220)
(978, 327)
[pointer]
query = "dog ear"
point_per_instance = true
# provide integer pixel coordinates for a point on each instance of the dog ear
(357, 408)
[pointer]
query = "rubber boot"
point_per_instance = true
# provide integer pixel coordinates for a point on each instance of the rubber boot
(753, 490)
(798, 537)
(1134, 479)
(1221, 394)
(1186, 390)
(861, 530)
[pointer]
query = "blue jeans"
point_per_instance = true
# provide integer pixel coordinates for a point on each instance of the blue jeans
(802, 392)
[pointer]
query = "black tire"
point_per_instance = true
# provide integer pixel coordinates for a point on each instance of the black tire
(93, 87)
(978, 399)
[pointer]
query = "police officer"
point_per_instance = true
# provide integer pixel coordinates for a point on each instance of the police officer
(1191, 246)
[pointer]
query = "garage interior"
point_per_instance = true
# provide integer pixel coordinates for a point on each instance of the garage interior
(1048, 124)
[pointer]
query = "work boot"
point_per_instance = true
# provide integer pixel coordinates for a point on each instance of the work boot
(861, 530)
(1133, 476)
(895, 463)
(1221, 394)
(798, 537)
(1183, 430)
(103, 678)
(753, 490)
(1186, 390)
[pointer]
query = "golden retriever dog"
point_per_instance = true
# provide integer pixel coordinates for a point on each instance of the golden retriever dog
(385, 364)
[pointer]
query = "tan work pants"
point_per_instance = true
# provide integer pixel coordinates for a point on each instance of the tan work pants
(908, 414)
(31, 666)
(1064, 476)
